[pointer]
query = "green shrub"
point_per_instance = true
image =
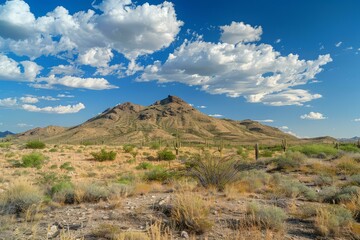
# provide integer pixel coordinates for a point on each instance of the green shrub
(336, 196)
(53, 150)
(104, 155)
(155, 146)
(5, 144)
(289, 161)
(157, 174)
(34, 159)
(67, 166)
(126, 178)
(144, 166)
(91, 192)
(316, 150)
(269, 217)
(349, 148)
(20, 197)
(166, 155)
(214, 171)
(295, 189)
(63, 192)
(266, 153)
(128, 148)
(35, 144)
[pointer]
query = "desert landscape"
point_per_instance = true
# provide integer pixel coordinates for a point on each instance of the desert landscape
(167, 171)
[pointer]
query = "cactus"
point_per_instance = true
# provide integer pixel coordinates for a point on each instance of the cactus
(256, 151)
(220, 148)
(177, 145)
(284, 144)
(336, 145)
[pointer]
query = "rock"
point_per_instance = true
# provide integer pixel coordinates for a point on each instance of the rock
(184, 235)
(105, 217)
(53, 232)
(164, 201)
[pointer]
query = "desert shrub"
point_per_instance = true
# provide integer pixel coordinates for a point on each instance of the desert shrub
(126, 178)
(128, 148)
(191, 213)
(117, 190)
(347, 166)
(333, 221)
(53, 150)
(158, 174)
(5, 144)
(349, 148)
(166, 155)
(35, 144)
(289, 161)
(104, 155)
(214, 171)
(144, 166)
(269, 217)
(335, 195)
(63, 192)
(266, 153)
(324, 180)
(252, 181)
(355, 180)
(155, 146)
(20, 197)
(295, 189)
(67, 166)
(316, 150)
(90, 192)
(34, 159)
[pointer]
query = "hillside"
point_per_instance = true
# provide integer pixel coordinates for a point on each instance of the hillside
(6, 133)
(132, 123)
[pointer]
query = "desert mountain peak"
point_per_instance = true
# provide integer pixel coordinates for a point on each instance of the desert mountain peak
(170, 99)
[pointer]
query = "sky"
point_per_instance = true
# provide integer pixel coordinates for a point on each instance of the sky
(288, 64)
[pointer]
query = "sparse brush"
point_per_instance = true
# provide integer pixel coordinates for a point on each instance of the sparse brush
(269, 217)
(214, 172)
(20, 197)
(128, 148)
(333, 221)
(336, 196)
(104, 155)
(144, 166)
(166, 155)
(90, 192)
(34, 159)
(289, 161)
(35, 144)
(158, 174)
(190, 212)
(347, 166)
(316, 150)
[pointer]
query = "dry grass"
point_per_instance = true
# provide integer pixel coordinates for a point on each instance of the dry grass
(191, 212)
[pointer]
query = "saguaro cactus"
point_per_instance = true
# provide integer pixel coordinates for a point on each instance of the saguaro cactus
(256, 151)
(177, 145)
(220, 148)
(284, 144)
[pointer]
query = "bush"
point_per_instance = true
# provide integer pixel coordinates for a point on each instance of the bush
(126, 178)
(90, 192)
(191, 213)
(316, 150)
(336, 196)
(295, 189)
(155, 146)
(5, 144)
(35, 144)
(144, 166)
(20, 197)
(269, 217)
(63, 192)
(214, 171)
(333, 221)
(128, 148)
(103, 155)
(157, 174)
(347, 166)
(67, 166)
(34, 159)
(289, 161)
(166, 155)
(349, 148)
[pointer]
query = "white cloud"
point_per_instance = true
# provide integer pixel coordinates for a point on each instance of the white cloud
(29, 99)
(57, 109)
(357, 120)
(66, 70)
(65, 96)
(123, 26)
(216, 115)
(338, 44)
(284, 128)
(266, 121)
(256, 72)
(202, 107)
(12, 70)
(278, 40)
(313, 116)
(24, 125)
(77, 82)
(8, 102)
(96, 57)
(240, 32)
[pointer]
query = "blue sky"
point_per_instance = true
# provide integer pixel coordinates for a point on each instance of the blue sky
(290, 64)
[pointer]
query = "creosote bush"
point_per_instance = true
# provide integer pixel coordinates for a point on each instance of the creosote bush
(158, 174)
(20, 197)
(166, 155)
(34, 159)
(104, 155)
(269, 217)
(316, 150)
(289, 161)
(35, 144)
(191, 213)
(213, 171)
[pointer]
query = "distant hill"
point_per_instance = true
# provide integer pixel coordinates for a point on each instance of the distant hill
(6, 133)
(132, 123)
(353, 139)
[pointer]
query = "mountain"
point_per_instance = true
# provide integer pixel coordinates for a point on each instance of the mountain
(353, 139)
(165, 119)
(6, 133)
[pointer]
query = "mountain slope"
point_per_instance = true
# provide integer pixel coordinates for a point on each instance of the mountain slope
(131, 123)
(6, 133)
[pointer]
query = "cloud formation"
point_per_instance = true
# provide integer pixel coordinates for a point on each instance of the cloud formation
(57, 109)
(254, 71)
(8, 102)
(13, 70)
(313, 116)
(216, 115)
(238, 32)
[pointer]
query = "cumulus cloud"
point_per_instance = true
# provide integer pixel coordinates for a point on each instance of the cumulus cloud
(96, 57)
(77, 82)
(266, 121)
(357, 120)
(65, 96)
(202, 107)
(57, 109)
(8, 102)
(216, 115)
(123, 26)
(23, 125)
(338, 44)
(12, 70)
(284, 128)
(254, 71)
(240, 32)
(313, 116)
(29, 99)
(63, 70)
